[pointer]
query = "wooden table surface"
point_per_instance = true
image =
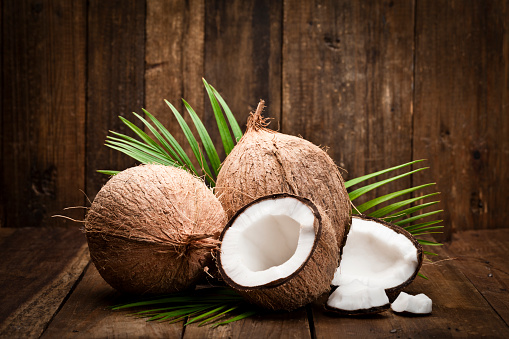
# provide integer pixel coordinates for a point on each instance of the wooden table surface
(49, 289)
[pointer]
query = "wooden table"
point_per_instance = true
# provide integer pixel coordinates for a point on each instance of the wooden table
(49, 289)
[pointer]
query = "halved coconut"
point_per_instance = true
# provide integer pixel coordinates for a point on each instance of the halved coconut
(379, 254)
(279, 252)
(415, 304)
(356, 298)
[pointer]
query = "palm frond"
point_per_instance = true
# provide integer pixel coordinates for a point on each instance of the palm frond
(204, 305)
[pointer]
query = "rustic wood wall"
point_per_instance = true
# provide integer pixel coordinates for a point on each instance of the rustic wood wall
(379, 82)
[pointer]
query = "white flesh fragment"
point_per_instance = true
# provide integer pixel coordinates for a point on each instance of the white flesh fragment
(357, 296)
(418, 304)
(376, 255)
(268, 241)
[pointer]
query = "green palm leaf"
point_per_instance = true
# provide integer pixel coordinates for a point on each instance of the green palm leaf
(357, 180)
(182, 156)
(192, 142)
(205, 305)
(224, 132)
(379, 200)
(237, 132)
(205, 139)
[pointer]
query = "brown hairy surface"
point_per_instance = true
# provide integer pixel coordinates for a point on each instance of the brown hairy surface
(267, 162)
(151, 229)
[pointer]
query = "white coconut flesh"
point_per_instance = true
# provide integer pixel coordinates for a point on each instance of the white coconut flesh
(376, 255)
(356, 296)
(417, 304)
(270, 240)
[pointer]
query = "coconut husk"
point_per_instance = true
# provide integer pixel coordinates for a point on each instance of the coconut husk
(151, 229)
(266, 162)
(309, 281)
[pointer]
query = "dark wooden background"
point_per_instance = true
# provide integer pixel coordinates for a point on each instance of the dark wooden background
(378, 82)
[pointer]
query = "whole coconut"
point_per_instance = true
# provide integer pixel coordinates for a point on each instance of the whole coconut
(151, 229)
(266, 162)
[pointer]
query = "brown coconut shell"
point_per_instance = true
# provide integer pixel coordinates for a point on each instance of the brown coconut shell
(393, 292)
(151, 229)
(309, 281)
(266, 162)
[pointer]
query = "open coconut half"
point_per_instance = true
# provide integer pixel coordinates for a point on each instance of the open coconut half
(379, 255)
(279, 252)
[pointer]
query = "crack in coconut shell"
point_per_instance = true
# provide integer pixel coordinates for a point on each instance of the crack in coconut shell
(151, 229)
(299, 287)
(266, 162)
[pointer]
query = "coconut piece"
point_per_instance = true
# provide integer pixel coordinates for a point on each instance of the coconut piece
(279, 252)
(266, 162)
(417, 304)
(379, 254)
(151, 229)
(355, 298)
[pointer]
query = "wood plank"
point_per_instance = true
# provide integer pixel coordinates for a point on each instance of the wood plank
(347, 81)
(43, 110)
(116, 56)
(86, 314)
(459, 310)
(482, 257)
(461, 118)
(243, 46)
(174, 62)
(39, 266)
(274, 325)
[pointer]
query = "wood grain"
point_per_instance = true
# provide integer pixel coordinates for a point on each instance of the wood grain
(243, 56)
(459, 310)
(174, 62)
(38, 269)
(273, 325)
(86, 314)
(43, 110)
(482, 257)
(115, 72)
(461, 111)
(347, 81)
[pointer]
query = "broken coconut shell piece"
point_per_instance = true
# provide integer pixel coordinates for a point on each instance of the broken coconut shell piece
(356, 298)
(412, 304)
(379, 254)
(279, 252)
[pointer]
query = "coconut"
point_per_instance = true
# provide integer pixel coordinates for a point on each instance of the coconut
(379, 254)
(412, 304)
(355, 298)
(151, 229)
(279, 252)
(266, 162)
